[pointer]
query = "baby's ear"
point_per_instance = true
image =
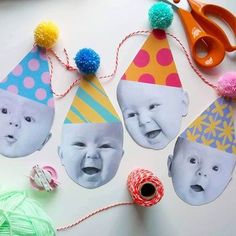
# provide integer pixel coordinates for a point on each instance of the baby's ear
(60, 154)
(45, 141)
(123, 153)
(169, 162)
(185, 103)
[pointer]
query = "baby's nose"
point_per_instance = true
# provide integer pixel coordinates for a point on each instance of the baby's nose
(201, 173)
(144, 118)
(92, 155)
(14, 123)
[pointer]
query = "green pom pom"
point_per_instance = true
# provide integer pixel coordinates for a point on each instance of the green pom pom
(160, 15)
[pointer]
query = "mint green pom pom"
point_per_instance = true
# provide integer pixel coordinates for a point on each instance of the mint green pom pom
(160, 15)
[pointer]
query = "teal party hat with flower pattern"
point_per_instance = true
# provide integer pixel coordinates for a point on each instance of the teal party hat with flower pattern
(214, 127)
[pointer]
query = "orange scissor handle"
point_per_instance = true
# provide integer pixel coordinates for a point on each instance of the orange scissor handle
(215, 50)
(199, 11)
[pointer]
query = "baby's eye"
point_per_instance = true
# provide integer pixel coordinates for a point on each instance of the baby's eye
(4, 111)
(152, 106)
(215, 168)
(29, 119)
(193, 160)
(105, 146)
(79, 144)
(132, 114)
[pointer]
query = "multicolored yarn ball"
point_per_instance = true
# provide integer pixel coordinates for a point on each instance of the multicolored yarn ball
(21, 216)
(87, 61)
(160, 15)
(145, 189)
(46, 34)
(226, 85)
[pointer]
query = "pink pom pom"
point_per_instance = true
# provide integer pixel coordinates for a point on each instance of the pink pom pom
(227, 85)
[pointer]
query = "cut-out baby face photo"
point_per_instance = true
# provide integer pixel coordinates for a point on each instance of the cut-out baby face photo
(26, 107)
(154, 118)
(91, 153)
(204, 156)
(150, 95)
(92, 137)
(25, 125)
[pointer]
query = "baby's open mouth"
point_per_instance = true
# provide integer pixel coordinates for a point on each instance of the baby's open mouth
(90, 170)
(10, 139)
(197, 188)
(153, 134)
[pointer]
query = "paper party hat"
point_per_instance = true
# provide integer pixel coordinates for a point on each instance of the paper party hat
(91, 104)
(154, 63)
(214, 127)
(31, 78)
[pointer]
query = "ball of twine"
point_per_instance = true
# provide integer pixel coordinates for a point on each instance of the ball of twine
(21, 216)
(145, 188)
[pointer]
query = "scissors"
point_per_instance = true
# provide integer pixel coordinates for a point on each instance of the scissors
(202, 30)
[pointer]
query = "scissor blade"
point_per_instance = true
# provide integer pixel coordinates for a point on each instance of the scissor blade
(170, 3)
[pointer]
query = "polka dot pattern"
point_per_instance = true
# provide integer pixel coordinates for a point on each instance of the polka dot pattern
(123, 77)
(45, 78)
(40, 94)
(147, 78)
(164, 57)
(31, 78)
(12, 89)
(51, 102)
(154, 63)
(17, 70)
(173, 80)
(28, 82)
(33, 65)
(142, 58)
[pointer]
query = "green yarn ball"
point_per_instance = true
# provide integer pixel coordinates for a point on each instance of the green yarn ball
(160, 15)
(21, 216)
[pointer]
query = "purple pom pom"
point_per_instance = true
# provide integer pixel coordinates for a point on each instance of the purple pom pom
(227, 85)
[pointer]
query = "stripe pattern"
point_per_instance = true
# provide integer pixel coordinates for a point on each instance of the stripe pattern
(91, 104)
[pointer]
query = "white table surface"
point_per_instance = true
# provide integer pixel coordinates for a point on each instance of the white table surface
(101, 25)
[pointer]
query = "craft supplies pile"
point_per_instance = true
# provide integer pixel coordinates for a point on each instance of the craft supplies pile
(153, 102)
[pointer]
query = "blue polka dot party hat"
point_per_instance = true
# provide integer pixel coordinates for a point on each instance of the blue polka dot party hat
(31, 78)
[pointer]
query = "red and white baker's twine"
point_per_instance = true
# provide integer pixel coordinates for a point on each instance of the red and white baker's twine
(94, 213)
(135, 180)
(140, 32)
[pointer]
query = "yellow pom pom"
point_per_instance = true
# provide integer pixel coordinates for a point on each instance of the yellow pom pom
(46, 34)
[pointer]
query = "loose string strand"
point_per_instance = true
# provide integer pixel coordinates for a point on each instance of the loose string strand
(140, 32)
(61, 95)
(67, 64)
(94, 213)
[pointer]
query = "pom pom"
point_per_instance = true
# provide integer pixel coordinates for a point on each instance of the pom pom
(22, 216)
(87, 61)
(227, 85)
(46, 34)
(160, 15)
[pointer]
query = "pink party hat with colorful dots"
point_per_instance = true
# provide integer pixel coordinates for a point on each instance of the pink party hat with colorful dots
(154, 63)
(31, 78)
